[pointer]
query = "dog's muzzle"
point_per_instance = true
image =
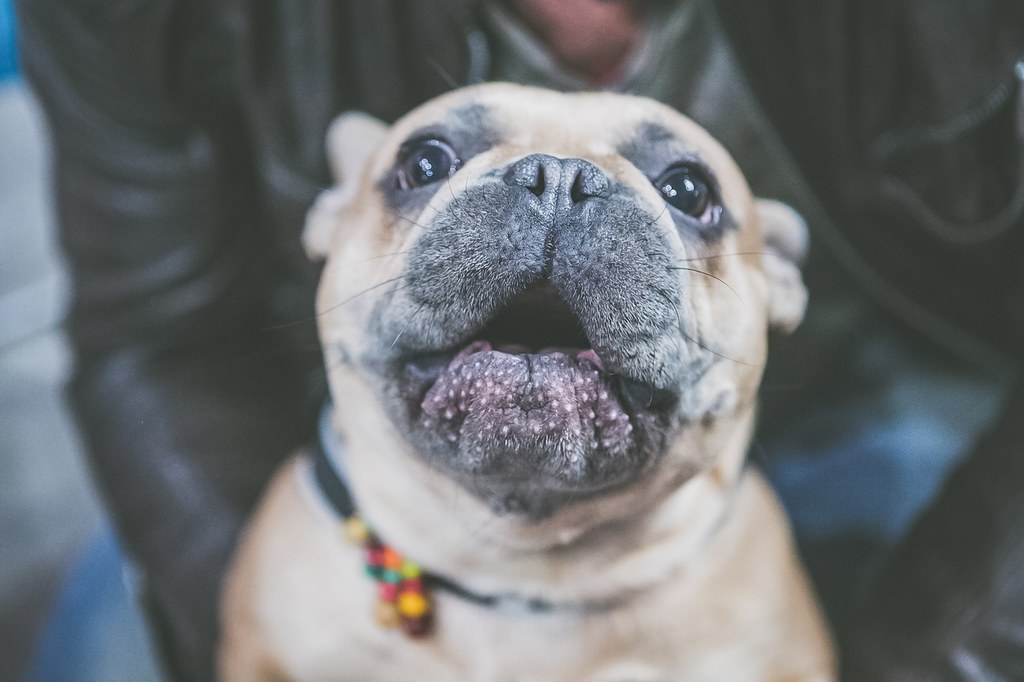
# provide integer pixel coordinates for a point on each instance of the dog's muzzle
(535, 342)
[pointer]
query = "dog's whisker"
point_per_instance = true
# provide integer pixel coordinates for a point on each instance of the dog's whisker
(704, 347)
(365, 291)
(288, 325)
(407, 323)
(708, 274)
(379, 256)
(401, 216)
(454, 203)
(700, 344)
(664, 208)
(443, 73)
(716, 256)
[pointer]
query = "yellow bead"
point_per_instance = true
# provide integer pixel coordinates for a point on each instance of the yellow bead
(356, 530)
(412, 604)
(387, 615)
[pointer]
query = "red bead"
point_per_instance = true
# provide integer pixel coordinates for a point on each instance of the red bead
(412, 585)
(387, 591)
(375, 557)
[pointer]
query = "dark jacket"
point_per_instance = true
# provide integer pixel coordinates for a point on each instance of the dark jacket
(188, 139)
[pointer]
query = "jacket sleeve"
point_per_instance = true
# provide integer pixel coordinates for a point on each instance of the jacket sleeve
(184, 400)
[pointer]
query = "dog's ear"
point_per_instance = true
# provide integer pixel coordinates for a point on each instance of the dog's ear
(785, 245)
(351, 141)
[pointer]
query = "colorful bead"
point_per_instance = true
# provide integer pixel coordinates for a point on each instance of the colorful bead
(417, 627)
(400, 592)
(387, 591)
(391, 559)
(375, 557)
(356, 530)
(387, 615)
(412, 604)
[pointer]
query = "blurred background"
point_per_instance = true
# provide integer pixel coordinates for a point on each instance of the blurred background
(49, 512)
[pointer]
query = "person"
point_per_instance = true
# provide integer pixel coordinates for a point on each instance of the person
(188, 144)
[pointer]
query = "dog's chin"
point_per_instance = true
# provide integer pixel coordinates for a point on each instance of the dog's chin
(531, 428)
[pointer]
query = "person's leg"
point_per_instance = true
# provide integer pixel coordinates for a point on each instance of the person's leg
(96, 631)
(855, 470)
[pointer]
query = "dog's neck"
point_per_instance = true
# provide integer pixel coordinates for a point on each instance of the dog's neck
(640, 541)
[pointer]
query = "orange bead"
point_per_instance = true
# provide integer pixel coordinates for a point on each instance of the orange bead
(392, 559)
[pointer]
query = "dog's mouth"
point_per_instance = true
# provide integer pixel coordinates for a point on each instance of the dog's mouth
(528, 399)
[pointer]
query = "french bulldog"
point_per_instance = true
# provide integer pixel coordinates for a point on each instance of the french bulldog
(544, 320)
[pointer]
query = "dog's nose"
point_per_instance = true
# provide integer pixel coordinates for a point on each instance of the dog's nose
(552, 178)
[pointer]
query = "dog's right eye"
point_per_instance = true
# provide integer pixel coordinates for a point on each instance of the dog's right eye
(689, 189)
(425, 162)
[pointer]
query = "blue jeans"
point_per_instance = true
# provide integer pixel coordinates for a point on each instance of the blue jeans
(855, 471)
(96, 632)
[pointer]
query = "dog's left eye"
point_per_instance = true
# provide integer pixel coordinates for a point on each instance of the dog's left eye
(425, 162)
(687, 188)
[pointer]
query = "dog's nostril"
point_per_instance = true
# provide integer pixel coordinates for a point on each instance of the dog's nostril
(543, 174)
(528, 173)
(590, 182)
(539, 183)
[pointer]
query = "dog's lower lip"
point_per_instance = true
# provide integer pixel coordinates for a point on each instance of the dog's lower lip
(552, 402)
(422, 371)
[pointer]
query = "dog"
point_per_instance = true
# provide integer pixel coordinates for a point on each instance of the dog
(544, 318)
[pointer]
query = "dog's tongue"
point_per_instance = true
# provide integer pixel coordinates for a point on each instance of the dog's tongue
(556, 398)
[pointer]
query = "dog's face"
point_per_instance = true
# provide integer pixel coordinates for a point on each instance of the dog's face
(552, 297)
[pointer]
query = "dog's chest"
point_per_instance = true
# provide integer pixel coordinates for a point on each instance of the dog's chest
(302, 593)
(473, 643)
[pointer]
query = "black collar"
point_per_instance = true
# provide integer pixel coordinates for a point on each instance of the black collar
(332, 484)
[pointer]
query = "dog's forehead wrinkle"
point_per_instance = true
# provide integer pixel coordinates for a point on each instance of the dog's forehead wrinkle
(469, 124)
(653, 147)
(571, 127)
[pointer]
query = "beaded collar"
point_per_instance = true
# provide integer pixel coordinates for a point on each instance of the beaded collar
(404, 590)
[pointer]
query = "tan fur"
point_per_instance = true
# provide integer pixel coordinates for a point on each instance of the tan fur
(696, 555)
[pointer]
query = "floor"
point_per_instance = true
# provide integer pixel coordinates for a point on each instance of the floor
(48, 509)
